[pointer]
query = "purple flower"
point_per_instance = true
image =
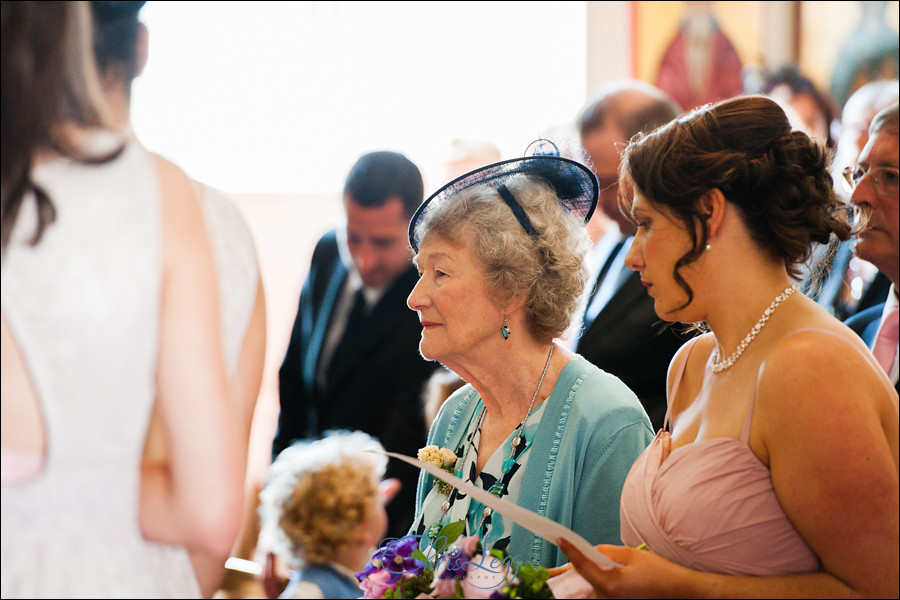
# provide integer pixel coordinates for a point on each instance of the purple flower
(397, 558)
(370, 568)
(453, 564)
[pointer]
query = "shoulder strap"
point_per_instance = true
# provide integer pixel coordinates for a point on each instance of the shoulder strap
(677, 382)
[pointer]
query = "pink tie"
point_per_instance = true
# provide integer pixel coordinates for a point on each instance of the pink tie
(885, 346)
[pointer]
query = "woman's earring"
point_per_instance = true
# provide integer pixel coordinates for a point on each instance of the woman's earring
(504, 330)
(708, 247)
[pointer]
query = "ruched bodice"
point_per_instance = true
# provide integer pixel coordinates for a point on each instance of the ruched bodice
(710, 505)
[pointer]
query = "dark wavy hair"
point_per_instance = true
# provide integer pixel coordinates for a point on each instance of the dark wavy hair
(778, 179)
(378, 177)
(47, 78)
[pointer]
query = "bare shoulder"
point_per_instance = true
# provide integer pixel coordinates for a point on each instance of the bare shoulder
(818, 374)
(175, 187)
(819, 356)
(183, 223)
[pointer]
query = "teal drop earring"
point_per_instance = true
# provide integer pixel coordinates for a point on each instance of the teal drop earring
(504, 330)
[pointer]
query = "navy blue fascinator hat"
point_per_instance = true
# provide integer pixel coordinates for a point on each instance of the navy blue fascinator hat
(575, 185)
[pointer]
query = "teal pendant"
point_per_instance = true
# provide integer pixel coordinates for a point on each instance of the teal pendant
(504, 331)
(497, 489)
(508, 465)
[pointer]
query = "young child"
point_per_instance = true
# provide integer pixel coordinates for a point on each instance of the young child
(322, 514)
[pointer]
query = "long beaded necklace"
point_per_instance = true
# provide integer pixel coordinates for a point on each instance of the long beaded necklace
(499, 486)
(719, 366)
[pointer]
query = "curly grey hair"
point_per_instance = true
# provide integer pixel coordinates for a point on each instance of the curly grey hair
(547, 269)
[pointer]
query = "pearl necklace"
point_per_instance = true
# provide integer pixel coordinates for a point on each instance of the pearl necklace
(718, 366)
(498, 487)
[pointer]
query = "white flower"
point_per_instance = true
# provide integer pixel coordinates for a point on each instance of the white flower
(432, 455)
(448, 458)
(442, 458)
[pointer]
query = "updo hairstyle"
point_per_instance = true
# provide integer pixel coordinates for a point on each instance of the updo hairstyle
(778, 179)
(547, 269)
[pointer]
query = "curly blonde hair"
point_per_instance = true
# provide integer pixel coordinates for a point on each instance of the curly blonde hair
(547, 269)
(317, 494)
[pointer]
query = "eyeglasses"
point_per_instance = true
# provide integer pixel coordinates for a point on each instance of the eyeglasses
(884, 179)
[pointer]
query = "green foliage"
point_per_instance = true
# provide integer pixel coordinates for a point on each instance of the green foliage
(412, 587)
(532, 583)
(449, 534)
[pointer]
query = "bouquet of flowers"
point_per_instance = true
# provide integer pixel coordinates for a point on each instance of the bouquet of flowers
(461, 569)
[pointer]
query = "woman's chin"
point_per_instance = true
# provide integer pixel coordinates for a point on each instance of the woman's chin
(671, 314)
(427, 351)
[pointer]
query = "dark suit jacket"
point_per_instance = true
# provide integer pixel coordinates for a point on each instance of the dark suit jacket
(378, 387)
(865, 323)
(827, 292)
(628, 340)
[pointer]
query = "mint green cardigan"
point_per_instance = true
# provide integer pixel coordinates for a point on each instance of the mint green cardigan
(592, 430)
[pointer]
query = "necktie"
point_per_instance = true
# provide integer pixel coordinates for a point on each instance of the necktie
(606, 265)
(885, 346)
(609, 281)
(355, 322)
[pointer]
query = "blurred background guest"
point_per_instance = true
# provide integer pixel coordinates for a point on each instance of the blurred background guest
(617, 329)
(121, 43)
(322, 513)
(746, 495)
(815, 109)
(353, 360)
(500, 254)
(837, 279)
(468, 154)
(102, 239)
(877, 196)
(438, 388)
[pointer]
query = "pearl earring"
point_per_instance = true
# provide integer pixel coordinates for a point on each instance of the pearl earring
(708, 247)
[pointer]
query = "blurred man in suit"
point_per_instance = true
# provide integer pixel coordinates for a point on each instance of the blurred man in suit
(620, 332)
(353, 360)
(839, 281)
(876, 194)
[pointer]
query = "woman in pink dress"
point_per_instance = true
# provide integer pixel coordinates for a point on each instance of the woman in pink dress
(778, 476)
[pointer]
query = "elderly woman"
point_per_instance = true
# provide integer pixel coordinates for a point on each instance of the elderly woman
(779, 476)
(500, 256)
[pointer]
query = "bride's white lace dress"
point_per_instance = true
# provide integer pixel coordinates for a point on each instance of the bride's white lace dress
(83, 307)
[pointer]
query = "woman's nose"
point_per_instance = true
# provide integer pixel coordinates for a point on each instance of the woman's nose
(416, 298)
(633, 258)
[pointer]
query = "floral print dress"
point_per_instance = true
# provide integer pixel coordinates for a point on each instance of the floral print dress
(493, 529)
